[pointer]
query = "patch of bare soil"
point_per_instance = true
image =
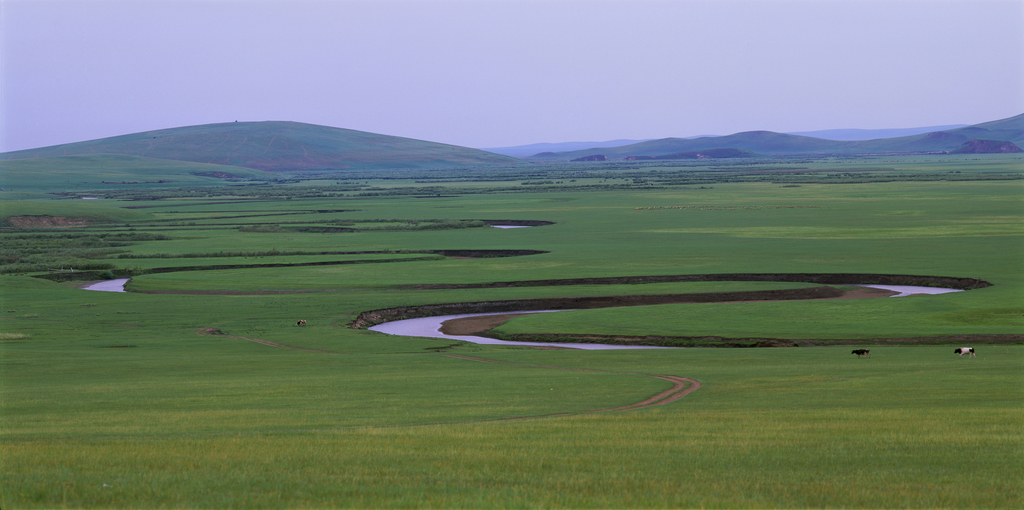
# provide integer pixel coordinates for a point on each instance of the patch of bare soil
(80, 284)
(46, 222)
(474, 325)
(867, 293)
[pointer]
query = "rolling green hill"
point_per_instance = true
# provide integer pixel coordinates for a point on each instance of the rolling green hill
(770, 143)
(68, 173)
(275, 147)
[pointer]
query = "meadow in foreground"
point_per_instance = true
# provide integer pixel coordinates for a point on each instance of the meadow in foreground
(127, 400)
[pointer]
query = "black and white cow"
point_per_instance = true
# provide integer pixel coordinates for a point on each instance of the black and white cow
(861, 352)
(969, 351)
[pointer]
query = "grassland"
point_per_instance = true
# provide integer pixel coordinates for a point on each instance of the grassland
(109, 171)
(159, 400)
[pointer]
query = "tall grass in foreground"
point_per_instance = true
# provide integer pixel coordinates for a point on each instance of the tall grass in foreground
(734, 458)
(909, 427)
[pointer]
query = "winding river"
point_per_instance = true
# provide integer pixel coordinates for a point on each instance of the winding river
(430, 327)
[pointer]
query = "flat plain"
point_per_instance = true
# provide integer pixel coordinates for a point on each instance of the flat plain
(162, 397)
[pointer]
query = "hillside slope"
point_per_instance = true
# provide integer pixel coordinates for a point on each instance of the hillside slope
(771, 143)
(850, 135)
(71, 173)
(276, 146)
(978, 146)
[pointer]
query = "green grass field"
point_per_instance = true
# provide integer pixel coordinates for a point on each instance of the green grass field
(116, 171)
(128, 401)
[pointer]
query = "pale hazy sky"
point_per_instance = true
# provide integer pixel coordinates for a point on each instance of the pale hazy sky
(491, 73)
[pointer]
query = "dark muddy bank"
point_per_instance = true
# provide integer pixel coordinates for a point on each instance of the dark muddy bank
(819, 278)
(717, 341)
(517, 223)
(102, 274)
(374, 317)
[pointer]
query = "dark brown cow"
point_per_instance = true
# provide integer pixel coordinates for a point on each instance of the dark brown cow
(301, 323)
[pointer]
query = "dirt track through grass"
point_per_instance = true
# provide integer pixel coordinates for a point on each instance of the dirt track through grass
(681, 386)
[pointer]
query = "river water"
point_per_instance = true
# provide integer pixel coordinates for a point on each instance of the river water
(431, 327)
(109, 285)
(906, 290)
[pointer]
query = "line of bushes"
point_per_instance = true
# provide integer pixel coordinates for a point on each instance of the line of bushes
(26, 253)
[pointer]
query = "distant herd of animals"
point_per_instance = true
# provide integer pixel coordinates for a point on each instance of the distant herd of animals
(969, 351)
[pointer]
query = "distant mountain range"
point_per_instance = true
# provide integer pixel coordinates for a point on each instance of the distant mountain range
(275, 147)
(769, 143)
(520, 151)
(852, 135)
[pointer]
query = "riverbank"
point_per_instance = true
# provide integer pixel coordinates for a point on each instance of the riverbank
(479, 328)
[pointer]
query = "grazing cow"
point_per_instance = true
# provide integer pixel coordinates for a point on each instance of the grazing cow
(301, 323)
(861, 352)
(969, 351)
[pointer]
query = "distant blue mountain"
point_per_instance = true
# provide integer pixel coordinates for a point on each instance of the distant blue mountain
(521, 151)
(930, 139)
(852, 135)
(535, 148)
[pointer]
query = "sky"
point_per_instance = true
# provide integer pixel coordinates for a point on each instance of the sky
(498, 73)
